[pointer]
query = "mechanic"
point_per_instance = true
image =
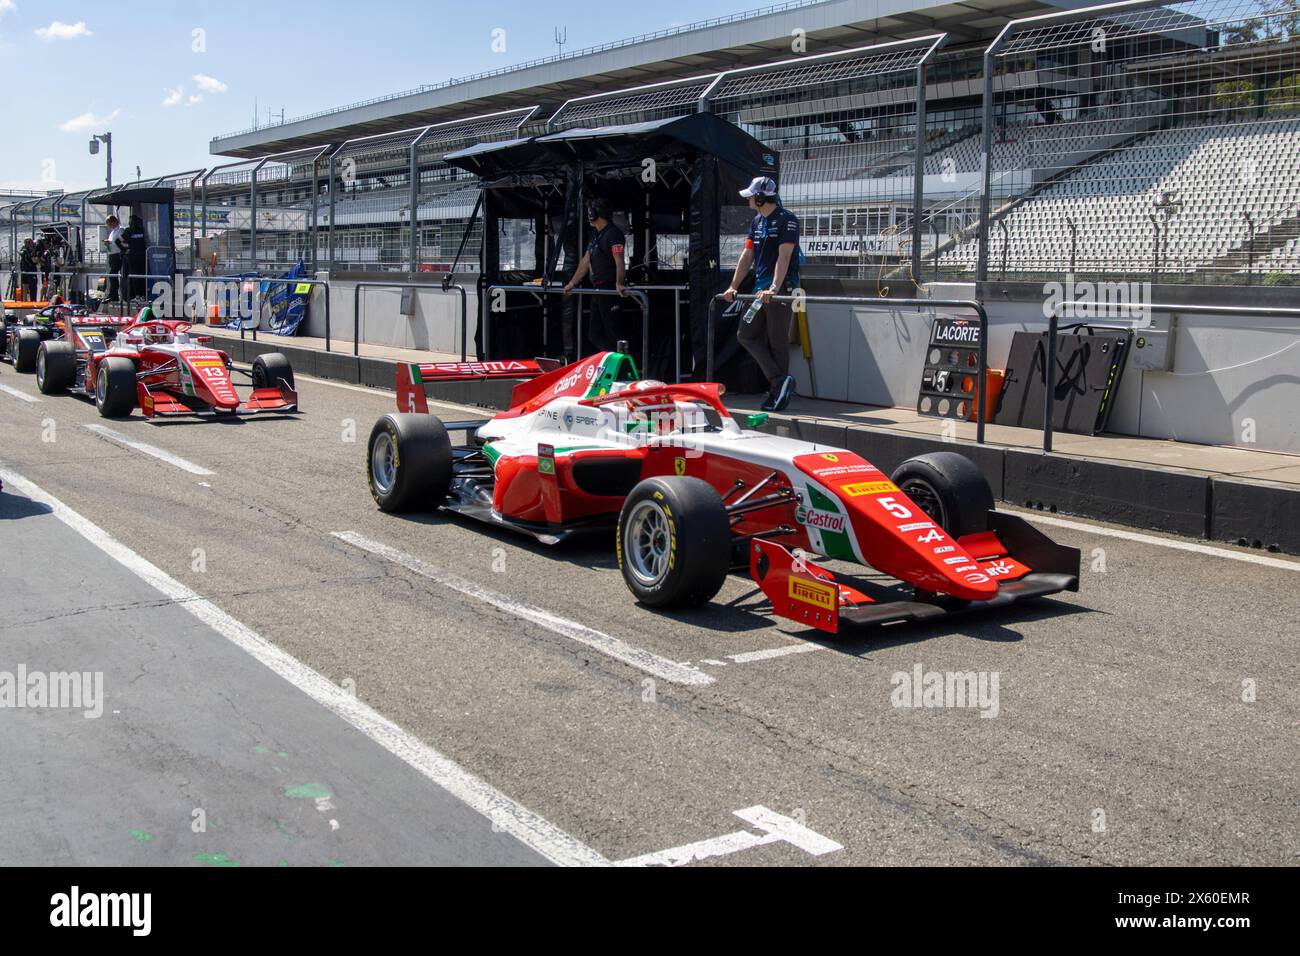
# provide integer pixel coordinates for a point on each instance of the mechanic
(604, 260)
(116, 246)
(772, 247)
(137, 246)
(27, 269)
(43, 268)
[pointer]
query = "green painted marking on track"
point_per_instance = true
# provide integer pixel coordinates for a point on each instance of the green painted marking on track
(336, 863)
(215, 859)
(307, 791)
(261, 749)
(140, 836)
(282, 862)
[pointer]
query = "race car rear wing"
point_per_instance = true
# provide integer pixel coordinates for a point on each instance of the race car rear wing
(413, 377)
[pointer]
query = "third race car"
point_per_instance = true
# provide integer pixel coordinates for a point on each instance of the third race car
(157, 365)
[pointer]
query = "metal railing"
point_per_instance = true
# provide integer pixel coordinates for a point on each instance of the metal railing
(677, 291)
(558, 289)
(1053, 325)
(427, 287)
(878, 303)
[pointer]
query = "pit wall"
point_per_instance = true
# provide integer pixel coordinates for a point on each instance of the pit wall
(1235, 378)
(433, 325)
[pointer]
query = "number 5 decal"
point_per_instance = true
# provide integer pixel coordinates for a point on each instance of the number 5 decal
(900, 512)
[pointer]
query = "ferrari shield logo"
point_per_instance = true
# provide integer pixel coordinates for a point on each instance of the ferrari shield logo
(831, 458)
(679, 466)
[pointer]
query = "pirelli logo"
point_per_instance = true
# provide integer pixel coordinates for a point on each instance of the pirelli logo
(813, 592)
(868, 488)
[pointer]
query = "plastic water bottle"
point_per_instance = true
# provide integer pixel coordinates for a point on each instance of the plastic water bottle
(754, 308)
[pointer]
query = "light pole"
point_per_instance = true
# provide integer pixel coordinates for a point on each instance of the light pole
(107, 140)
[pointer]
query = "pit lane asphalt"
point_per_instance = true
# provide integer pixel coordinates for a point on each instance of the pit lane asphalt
(1122, 735)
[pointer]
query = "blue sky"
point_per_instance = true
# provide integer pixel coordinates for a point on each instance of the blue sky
(139, 69)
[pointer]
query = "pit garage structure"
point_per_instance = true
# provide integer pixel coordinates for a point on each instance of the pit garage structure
(673, 185)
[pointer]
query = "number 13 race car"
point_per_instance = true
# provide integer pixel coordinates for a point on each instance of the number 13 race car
(692, 496)
(158, 365)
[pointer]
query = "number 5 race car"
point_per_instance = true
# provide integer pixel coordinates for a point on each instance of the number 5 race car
(692, 496)
(158, 365)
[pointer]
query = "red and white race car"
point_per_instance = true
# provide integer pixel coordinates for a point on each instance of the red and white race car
(693, 495)
(157, 365)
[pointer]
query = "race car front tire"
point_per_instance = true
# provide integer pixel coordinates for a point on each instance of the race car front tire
(674, 542)
(408, 462)
(26, 344)
(56, 367)
(269, 368)
(115, 387)
(949, 488)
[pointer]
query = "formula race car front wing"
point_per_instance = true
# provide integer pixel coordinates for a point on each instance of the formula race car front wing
(1025, 562)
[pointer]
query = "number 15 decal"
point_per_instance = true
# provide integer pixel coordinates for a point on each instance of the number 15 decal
(901, 512)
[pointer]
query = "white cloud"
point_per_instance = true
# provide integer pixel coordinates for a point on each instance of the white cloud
(209, 84)
(194, 98)
(59, 30)
(173, 96)
(88, 121)
(7, 6)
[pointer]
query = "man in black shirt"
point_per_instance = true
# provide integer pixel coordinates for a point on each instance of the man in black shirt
(604, 261)
(137, 246)
(28, 267)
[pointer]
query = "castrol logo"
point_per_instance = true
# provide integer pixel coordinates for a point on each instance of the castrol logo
(823, 521)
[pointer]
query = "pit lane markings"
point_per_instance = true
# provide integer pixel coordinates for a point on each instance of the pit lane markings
(642, 660)
(10, 390)
(152, 451)
(504, 813)
(1205, 549)
(774, 827)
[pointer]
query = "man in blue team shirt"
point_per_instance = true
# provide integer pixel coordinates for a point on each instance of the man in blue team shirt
(771, 247)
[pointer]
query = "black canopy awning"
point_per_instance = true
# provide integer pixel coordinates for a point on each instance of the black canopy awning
(682, 136)
(130, 196)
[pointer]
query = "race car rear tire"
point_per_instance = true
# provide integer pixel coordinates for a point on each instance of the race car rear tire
(26, 343)
(268, 369)
(115, 387)
(949, 488)
(408, 462)
(56, 367)
(674, 542)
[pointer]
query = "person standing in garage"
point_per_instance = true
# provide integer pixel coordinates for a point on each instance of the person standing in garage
(604, 261)
(772, 248)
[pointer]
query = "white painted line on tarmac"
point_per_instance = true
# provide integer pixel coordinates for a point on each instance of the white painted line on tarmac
(750, 656)
(774, 827)
(506, 815)
(1205, 549)
(10, 390)
(642, 660)
(152, 451)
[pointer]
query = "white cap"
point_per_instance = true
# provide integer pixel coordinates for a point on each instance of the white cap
(761, 186)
